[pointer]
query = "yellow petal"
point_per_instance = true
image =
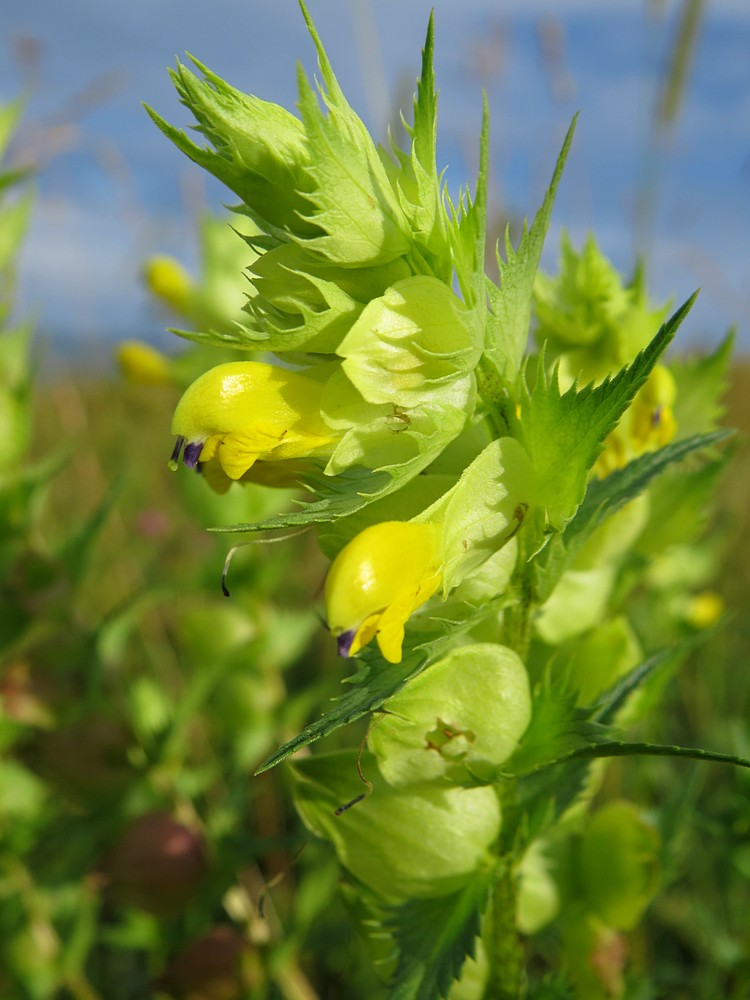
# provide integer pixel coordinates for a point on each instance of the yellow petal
(379, 579)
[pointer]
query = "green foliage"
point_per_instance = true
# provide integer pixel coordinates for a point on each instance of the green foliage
(434, 937)
(538, 526)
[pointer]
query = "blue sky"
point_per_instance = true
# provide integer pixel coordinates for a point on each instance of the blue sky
(112, 190)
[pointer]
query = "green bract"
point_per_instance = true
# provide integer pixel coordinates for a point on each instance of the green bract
(381, 840)
(457, 721)
(618, 864)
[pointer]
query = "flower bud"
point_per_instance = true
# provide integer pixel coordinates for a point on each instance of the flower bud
(168, 280)
(142, 364)
(538, 900)
(400, 843)
(377, 581)
(459, 719)
(648, 424)
(245, 411)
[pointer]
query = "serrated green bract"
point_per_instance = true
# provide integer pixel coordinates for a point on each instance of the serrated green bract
(260, 150)
(353, 203)
(434, 938)
(563, 431)
(588, 318)
(604, 497)
(701, 383)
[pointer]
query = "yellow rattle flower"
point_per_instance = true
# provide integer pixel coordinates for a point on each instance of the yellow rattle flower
(648, 424)
(169, 281)
(378, 580)
(245, 411)
(142, 364)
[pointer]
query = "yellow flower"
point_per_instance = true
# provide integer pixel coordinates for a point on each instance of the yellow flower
(378, 580)
(169, 281)
(245, 411)
(704, 609)
(648, 424)
(143, 364)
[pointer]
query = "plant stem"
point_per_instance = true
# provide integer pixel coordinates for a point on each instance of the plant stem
(507, 977)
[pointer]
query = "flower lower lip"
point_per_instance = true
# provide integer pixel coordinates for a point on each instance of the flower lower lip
(344, 642)
(192, 453)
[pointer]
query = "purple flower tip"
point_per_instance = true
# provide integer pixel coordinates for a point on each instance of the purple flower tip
(192, 453)
(344, 642)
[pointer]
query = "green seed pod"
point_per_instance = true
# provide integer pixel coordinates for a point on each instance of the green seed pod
(400, 843)
(458, 720)
(538, 900)
(618, 864)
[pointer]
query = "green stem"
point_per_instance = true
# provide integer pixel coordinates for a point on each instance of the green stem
(517, 627)
(507, 976)
(494, 396)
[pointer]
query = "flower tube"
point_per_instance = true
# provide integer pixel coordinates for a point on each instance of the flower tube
(246, 411)
(378, 580)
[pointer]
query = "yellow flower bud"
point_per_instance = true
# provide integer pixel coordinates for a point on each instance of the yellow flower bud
(245, 411)
(704, 609)
(169, 281)
(653, 424)
(648, 424)
(143, 364)
(378, 580)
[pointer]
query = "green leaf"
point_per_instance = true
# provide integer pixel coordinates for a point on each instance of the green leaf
(701, 383)
(575, 424)
(560, 732)
(10, 114)
(14, 220)
(510, 303)
(605, 497)
(352, 200)
(468, 234)
(557, 728)
(680, 502)
(434, 937)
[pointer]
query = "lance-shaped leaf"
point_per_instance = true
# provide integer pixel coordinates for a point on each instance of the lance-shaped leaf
(510, 303)
(415, 177)
(468, 234)
(604, 497)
